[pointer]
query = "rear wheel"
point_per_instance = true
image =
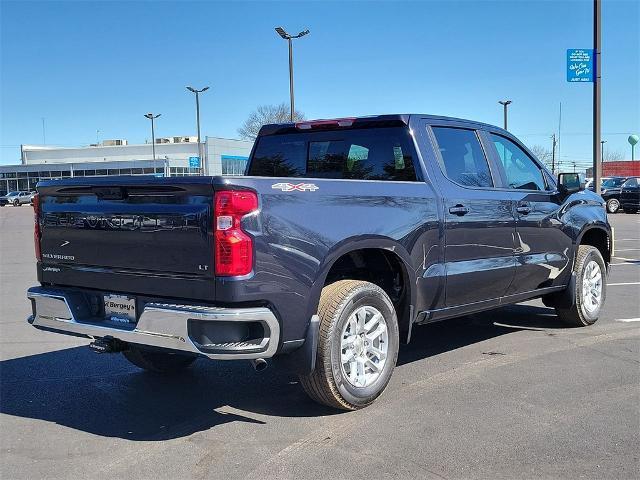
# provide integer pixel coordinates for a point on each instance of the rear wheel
(158, 362)
(358, 345)
(16, 203)
(590, 288)
(613, 205)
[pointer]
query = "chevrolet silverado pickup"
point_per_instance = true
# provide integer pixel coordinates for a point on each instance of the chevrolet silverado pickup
(342, 237)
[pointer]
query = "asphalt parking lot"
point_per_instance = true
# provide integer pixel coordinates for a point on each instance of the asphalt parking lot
(506, 394)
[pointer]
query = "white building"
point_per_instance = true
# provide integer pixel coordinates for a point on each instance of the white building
(176, 157)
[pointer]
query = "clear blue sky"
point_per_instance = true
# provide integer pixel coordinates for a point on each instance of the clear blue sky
(87, 66)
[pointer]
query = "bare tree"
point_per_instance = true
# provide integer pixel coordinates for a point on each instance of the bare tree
(264, 115)
(543, 153)
(612, 155)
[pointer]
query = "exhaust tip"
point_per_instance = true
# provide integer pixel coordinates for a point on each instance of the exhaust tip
(259, 364)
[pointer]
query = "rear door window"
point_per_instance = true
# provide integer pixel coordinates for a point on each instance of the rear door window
(356, 154)
(462, 158)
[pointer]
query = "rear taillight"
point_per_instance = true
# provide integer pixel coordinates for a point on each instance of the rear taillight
(233, 246)
(36, 226)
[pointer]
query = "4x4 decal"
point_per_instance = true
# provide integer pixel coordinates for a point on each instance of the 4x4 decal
(290, 187)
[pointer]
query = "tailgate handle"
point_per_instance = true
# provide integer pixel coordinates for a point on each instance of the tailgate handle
(109, 193)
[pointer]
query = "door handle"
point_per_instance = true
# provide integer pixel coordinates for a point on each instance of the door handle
(459, 210)
(523, 209)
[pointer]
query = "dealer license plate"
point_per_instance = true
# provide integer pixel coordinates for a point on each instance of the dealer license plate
(119, 308)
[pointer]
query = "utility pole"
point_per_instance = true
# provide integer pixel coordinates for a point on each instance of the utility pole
(281, 31)
(553, 153)
(505, 104)
(200, 151)
(559, 130)
(597, 44)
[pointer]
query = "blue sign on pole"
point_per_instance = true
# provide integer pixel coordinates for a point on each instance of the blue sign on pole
(579, 65)
(194, 162)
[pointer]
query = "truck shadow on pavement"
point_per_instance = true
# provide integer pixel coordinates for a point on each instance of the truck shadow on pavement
(105, 395)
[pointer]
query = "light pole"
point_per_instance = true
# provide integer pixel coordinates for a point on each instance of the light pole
(602, 142)
(281, 31)
(152, 117)
(597, 84)
(198, 92)
(505, 103)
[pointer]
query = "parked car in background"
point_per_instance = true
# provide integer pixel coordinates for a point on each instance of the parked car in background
(610, 190)
(31, 197)
(588, 183)
(18, 198)
(3, 201)
(344, 235)
(630, 195)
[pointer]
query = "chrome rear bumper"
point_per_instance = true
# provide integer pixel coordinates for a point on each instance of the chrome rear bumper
(159, 325)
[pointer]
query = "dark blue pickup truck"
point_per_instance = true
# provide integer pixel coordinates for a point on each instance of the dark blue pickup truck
(343, 236)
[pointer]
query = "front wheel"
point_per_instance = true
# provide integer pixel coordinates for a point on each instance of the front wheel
(158, 362)
(590, 288)
(358, 345)
(16, 203)
(613, 205)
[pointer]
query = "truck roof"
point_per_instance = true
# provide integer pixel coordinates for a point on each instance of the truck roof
(398, 119)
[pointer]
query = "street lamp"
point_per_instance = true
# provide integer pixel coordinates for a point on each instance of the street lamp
(505, 103)
(281, 31)
(152, 117)
(198, 92)
(602, 142)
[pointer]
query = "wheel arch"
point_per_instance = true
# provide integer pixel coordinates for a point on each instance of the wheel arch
(600, 237)
(395, 257)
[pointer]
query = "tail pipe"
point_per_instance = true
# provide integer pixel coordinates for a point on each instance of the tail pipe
(259, 364)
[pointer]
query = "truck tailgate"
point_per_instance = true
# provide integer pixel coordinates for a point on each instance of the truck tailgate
(137, 225)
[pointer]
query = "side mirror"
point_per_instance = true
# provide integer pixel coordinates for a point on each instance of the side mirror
(570, 182)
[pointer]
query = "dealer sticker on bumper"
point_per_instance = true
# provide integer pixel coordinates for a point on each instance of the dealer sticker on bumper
(120, 308)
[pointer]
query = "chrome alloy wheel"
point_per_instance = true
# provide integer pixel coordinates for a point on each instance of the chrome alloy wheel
(591, 286)
(363, 346)
(613, 205)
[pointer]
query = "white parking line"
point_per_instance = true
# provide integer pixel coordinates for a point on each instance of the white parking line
(627, 259)
(627, 320)
(624, 283)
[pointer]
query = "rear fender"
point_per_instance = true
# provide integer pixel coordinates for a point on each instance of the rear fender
(359, 243)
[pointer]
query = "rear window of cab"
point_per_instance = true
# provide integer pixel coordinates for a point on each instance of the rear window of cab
(356, 154)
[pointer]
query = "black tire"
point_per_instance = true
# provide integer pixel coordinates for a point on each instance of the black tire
(579, 315)
(16, 203)
(613, 205)
(328, 384)
(158, 362)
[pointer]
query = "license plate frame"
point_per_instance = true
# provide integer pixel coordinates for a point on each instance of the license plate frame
(119, 308)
